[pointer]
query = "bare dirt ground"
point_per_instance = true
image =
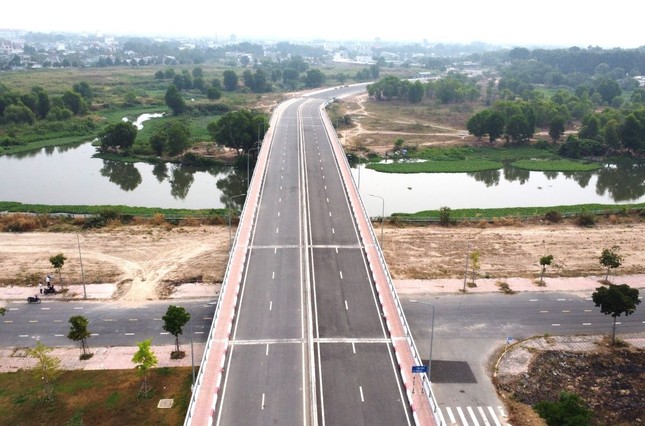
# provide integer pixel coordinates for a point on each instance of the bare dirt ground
(148, 261)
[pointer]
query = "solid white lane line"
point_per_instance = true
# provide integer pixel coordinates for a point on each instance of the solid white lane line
(451, 415)
(33, 320)
(129, 334)
(493, 416)
(78, 308)
(94, 334)
(263, 401)
(333, 231)
(533, 300)
(45, 309)
(280, 200)
(59, 335)
(23, 335)
(346, 307)
(327, 199)
(565, 311)
(329, 216)
(163, 333)
(273, 275)
(588, 310)
(353, 347)
(341, 274)
(586, 323)
(336, 250)
(483, 414)
(472, 416)
(271, 305)
(544, 312)
(108, 319)
(8, 321)
(462, 416)
(157, 319)
(199, 332)
(58, 320)
(278, 214)
(360, 388)
(555, 325)
(133, 319)
(266, 353)
(277, 230)
(275, 250)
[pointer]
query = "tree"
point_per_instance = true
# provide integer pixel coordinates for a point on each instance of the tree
(315, 78)
(239, 130)
(568, 410)
(174, 100)
(230, 80)
(213, 93)
(118, 136)
(474, 262)
(415, 95)
(610, 259)
(176, 317)
(145, 359)
(556, 128)
(476, 124)
(495, 125)
(544, 262)
(57, 262)
(3, 311)
(178, 138)
(83, 88)
(78, 332)
(47, 368)
(74, 102)
(616, 300)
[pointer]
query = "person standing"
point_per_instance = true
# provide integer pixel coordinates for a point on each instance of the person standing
(48, 280)
(40, 287)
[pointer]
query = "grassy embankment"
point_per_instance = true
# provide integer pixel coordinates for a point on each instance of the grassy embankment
(105, 397)
(522, 212)
(473, 159)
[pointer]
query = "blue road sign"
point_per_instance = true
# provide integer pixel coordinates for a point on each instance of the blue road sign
(419, 369)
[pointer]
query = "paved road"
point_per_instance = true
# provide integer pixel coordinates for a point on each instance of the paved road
(308, 343)
(469, 329)
(111, 324)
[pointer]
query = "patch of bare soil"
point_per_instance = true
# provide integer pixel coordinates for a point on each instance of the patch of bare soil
(610, 380)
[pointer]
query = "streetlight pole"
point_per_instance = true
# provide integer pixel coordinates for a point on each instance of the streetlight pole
(248, 175)
(228, 211)
(431, 336)
(192, 353)
(78, 240)
(382, 217)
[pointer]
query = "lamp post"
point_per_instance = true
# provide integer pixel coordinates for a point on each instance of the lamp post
(248, 175)
(382, 216)
(192, 353)
(80, 258)
(228, 211)
(431, 335)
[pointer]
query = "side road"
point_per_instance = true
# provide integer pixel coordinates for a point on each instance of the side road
(120, 357)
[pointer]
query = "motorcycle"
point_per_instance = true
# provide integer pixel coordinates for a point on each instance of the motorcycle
(49, 290)
(34, 299)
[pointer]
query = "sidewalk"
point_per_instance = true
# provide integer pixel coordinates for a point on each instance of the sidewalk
(120, 357)
(403, 287)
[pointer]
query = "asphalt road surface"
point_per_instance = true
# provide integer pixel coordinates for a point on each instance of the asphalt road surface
(308, 343)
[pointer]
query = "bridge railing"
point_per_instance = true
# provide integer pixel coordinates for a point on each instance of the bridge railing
(247, 217)
(360, 210)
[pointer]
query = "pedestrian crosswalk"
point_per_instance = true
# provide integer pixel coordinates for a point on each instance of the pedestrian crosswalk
(473, 416)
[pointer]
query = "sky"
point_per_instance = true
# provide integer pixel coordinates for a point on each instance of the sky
(557, 23)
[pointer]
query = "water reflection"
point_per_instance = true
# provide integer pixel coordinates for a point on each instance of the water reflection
(507, 187)
(124, 175)
(624, 183)
(180, 182)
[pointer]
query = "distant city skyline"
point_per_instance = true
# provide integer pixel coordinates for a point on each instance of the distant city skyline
(500, 22)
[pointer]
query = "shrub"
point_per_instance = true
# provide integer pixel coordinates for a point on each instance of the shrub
(445, 216)
(585, 219)
(568, 410)
(553, 216)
